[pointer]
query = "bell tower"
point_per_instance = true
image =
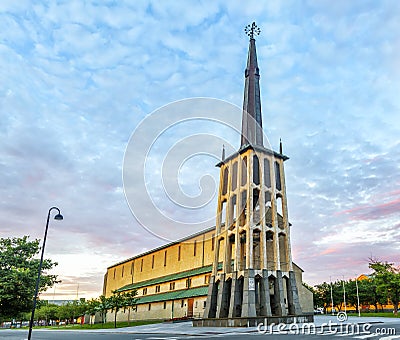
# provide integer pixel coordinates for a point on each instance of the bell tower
(252, 273)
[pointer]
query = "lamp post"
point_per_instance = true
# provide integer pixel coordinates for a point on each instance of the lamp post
(56, 217)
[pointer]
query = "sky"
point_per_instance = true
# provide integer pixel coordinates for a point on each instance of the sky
(80, 80)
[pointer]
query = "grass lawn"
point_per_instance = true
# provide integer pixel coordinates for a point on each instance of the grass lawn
(371, 314)
(108, 325)
(101, 325)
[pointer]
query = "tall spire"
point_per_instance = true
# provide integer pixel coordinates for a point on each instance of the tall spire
(251, 120)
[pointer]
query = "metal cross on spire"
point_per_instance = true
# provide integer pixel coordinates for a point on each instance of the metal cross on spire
(252, 30)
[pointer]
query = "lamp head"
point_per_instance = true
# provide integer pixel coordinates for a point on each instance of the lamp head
(58, 217)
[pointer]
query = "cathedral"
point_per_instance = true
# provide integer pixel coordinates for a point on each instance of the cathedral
(239, 272)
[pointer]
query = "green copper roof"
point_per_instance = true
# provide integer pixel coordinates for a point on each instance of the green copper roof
(174, 295)
(171, 277)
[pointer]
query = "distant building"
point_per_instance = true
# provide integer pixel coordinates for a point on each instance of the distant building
(59, 302)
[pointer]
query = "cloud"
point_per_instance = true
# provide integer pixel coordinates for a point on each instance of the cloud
(77, 78)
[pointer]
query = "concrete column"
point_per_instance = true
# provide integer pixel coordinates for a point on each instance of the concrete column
(236, 298)
(224, 292)
(279, 295)
(286, 218)
(265, 301)
(216, 254)
(211, 304)
(227, 254)
(293, 295)
(249, 294)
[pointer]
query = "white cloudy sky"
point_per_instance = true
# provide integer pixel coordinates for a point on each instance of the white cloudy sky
(77, 77)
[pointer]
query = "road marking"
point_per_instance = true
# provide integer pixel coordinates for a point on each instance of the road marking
(366, 336)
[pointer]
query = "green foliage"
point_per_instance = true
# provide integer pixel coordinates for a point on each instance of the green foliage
(18, 273)
(379, 288)
(47, 312)
(322, 295)
(387, 278)
(121, 300)
(71, 310)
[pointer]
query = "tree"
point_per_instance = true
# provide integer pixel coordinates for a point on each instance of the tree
(322, 295)
(130, 301)
(120, 300)
(92, 307)
(103, 306)
(116, 302)
(387, 278)
(47, 312)
(18, 273)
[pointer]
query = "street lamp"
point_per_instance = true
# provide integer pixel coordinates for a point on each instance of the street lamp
(56, 217)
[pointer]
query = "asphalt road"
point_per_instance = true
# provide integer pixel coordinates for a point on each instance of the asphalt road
(384, 331)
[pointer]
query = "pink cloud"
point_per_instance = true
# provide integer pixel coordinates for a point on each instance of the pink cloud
(373, 212)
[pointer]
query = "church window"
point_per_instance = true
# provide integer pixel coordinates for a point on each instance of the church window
(223, 212)
(152, 262)
(225, 181)
(172, 286)
(158, 288)
(212, 242)
(256, 170)
(114, 272)
(182, 303)
(267, 175)
(207, 278)
(141, 265)
(122, 273)
(165, 304)
(244, 171)
(165, 258)
(278, 176)
(194, 247)
(234, 176)
(233, 208)
(179, 253)
(144, 291)
(149, 306)
(188, 282)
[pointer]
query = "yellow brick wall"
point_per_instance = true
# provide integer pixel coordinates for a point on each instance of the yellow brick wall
(120, 274)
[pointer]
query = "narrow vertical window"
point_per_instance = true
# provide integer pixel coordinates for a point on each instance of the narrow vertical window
(212, 242)
(267, 175)
(141, 265)
(194, 247)
(225, 181)
(234, 176)
(256, 170)
(114, 272)
(278, 176)
(165, 258)
(244, 171)
(179, 252)
(122, 273)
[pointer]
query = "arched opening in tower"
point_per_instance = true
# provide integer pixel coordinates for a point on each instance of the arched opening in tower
(269, 235)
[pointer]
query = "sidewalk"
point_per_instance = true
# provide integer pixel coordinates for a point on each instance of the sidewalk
(186, 328)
